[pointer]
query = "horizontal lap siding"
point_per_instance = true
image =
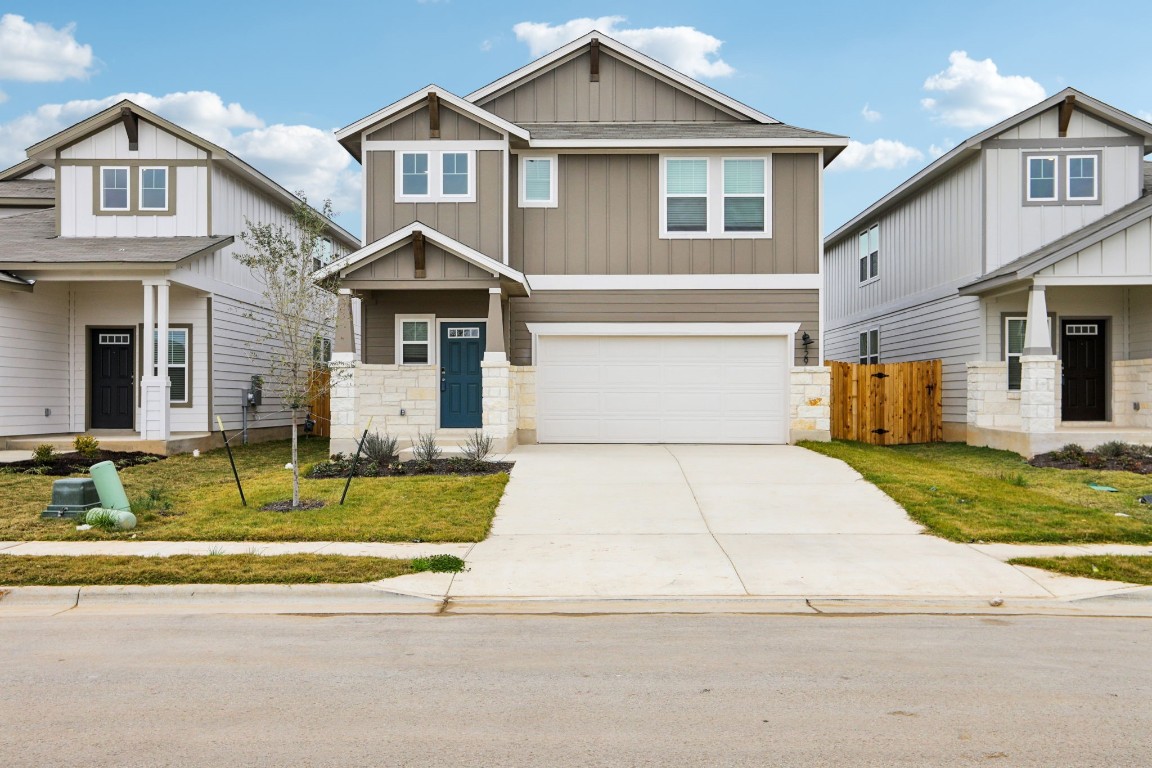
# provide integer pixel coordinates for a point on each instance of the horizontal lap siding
(235, 337)
(949, 330)
(664, 307)
(34, 348)
(381, 307)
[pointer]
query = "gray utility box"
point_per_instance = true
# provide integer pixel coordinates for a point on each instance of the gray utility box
(72, 497)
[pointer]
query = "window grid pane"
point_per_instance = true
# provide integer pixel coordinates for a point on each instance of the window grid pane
(154, 188)
(1041, 178)
(538, 179)
(686, 177)
(743, 214)
(1082, 177)
(687, 214)
(455, 173)
(415, 180)
(115, 188)
(415, 330)
(415, 354)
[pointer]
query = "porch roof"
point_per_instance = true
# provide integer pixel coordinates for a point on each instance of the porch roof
(1028, 265)
(30, 239)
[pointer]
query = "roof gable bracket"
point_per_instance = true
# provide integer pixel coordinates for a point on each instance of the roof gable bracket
(1066, 108)
(418, 262)
(594, 51)
(433, 114)
(131, 127)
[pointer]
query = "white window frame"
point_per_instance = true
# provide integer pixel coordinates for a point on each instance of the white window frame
(553, 174)
(433, 330)
(724, 197)
(1055, 178)
(1008, 354)
(127, 191)
(866, 258)
(1095, 177)
(186, 365)
(714, 229)
(435, 176)
(140, 187)
(873, 352)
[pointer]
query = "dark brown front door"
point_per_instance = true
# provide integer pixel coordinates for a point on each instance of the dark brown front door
(1084, 353)
(112, 378)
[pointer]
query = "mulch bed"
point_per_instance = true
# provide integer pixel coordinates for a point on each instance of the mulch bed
(63, 464)
(340, 466)
(286, 506)
(1131, 460)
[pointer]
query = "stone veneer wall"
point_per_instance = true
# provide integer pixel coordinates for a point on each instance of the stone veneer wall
(1132, 383)
(362, 391)
(524, 387)
(990, 404)
(810, 404)
(1039, 393)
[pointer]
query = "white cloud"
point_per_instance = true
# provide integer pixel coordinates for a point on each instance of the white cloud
(685, 49)
(1145, 115)
(299, 157)
(39, 53)
(973, 94)
(871, 115)
(938, 150)
(884, 154)
(486, 46)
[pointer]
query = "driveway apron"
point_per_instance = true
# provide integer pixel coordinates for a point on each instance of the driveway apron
(695, 520)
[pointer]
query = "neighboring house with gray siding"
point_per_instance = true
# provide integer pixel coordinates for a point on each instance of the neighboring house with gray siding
(594, 248)
(119, 229)
(1023, 260)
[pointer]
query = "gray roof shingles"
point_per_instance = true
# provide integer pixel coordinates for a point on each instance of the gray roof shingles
(30, 238)
(37, 188)
(639, 131)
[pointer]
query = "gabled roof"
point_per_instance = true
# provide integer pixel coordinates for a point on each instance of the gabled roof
(665, 72)
(20, 170)
(369, 253)
(44, 153)
(970, 147)
(349, 136)
(1028, 265)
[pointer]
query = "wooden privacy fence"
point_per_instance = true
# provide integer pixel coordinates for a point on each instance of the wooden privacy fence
(321, 407)
(887, 403)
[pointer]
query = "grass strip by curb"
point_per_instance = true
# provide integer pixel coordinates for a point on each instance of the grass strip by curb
(93, 570)
(1135, 569)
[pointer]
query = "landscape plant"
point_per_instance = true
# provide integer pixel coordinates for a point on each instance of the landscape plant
(87, 446)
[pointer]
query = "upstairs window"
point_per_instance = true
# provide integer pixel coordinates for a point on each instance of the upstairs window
(744, 198)
(455, 173)
(113, 189)
(686, 194)
(153, 189)
(538, 182)
(433, 177)
(870, 253)
(415, 173)
(1042, 179)
(870, 347)
(1082, 177)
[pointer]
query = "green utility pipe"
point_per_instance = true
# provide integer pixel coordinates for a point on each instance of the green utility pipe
(108, 486)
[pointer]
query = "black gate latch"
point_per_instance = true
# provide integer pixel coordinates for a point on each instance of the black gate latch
(879, 375)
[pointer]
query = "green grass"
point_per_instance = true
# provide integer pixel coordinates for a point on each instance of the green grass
(206, 507)
(1135, 569)
(970, 494)
(87, 570)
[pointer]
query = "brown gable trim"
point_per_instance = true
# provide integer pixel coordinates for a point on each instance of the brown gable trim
(131, 127)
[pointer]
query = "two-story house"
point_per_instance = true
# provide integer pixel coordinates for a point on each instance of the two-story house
(115, 233)
(593, 248)
(1023, 259)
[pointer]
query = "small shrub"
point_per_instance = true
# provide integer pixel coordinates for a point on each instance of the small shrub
(438, 564)
(1113, 449)
(425, 450)
(1070, 452)
(1014, 478)
(86, 445)
(44, 453)
(478, 446)
(380, 449)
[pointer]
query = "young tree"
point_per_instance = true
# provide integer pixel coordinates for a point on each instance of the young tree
(298, 314)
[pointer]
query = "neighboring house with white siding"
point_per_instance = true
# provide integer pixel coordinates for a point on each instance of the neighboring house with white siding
(1023, 259)
(593, 248)
(119, 229)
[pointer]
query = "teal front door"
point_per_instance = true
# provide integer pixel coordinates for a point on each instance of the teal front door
(461, 381)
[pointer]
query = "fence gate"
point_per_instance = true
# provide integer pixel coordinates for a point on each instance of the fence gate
(887, 403)
(321, 406)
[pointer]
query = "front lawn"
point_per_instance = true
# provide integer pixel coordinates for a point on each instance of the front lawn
(1135, 569)
(970, 494)
(195, 499)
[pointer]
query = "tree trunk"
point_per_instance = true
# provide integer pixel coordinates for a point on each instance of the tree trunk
(295, 465)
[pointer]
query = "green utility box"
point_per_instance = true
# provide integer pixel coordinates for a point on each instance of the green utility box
(72, 497)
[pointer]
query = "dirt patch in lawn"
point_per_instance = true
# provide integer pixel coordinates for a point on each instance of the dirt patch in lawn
(64, 464)
(340, 466)
(1116, 456)
(286, 506)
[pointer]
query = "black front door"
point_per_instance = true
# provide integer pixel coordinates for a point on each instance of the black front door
(1084, 353)
(461, 380)
(112, 366)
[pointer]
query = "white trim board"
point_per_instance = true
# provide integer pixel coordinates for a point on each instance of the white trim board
(765, 142)
(663, 329)
(780, 282)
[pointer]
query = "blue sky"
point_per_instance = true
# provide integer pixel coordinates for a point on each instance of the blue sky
(271, 80)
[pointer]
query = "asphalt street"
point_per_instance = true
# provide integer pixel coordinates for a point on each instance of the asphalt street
(574, 690)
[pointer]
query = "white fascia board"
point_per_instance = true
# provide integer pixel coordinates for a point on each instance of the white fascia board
(663, 329)
(432, 144)
(781, 282)
(467, 107)
(813, 143)
(629, 53)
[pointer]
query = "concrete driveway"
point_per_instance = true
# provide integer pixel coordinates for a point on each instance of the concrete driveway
(689, 520)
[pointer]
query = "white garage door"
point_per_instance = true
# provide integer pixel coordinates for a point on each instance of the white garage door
(662, 389)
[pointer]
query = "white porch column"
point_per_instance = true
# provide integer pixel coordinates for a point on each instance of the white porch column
(155, 389)
(344, 369)
(497, 391)
(1037, 333)
(149, 324)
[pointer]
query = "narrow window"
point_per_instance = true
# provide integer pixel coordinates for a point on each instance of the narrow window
(1042, 178)
(870, 253)
(455, 173)
(744, 195)
(177, 363)
(153, 189)
(114, 189)
(415, 173)
(1014, 328)
(415, 348)
(870, 347)
(686, 194)
(1082, 177)
(538, 182)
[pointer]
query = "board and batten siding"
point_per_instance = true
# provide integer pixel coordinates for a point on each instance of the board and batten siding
(783, 306)
(929, 240)
(34, 345)
(401, 265)
(378, 341)
(477, 225)
(948, 329)
(565, 93)
(415, 127)
(1127, 253)
(608, 218)
(1064, 302)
